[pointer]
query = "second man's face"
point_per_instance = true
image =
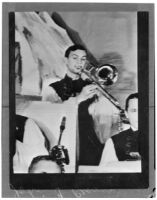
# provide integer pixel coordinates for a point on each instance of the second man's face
(132, 113)
(76, 61)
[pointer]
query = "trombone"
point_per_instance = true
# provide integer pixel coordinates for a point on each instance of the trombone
(105, 75)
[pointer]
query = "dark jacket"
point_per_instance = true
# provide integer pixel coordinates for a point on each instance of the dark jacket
(67, 87)
(125, 142)
(90, 148)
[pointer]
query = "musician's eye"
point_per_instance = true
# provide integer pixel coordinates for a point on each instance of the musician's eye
(83, 59)
(74, 57)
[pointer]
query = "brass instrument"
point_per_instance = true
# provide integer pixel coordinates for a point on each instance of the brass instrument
(106, 74)
(103, 76)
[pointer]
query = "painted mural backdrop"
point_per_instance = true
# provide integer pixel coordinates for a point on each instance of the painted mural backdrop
(42, 38)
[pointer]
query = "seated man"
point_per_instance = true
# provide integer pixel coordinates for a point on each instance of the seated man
(43, 164)
(125, 145)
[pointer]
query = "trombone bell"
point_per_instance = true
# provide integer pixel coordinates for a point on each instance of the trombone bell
(105, 75)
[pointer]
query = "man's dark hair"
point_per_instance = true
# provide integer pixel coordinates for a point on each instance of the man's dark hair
(74, 48)
(131, 96)
(37, 159)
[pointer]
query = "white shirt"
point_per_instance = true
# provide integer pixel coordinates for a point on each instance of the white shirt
(109, 153)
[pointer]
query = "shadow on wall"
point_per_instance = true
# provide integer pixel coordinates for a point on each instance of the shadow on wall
(126, 79)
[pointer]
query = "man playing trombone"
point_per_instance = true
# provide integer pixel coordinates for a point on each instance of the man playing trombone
(72, 85)
(77, 89)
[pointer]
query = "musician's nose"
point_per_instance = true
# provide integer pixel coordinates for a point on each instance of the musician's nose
(79, 62)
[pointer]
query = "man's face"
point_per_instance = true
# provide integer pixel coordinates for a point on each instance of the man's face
(132, 113)
(46, 166)
(76, 61)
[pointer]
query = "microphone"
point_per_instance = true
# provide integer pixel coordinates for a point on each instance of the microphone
(62, 127)
(59, 153)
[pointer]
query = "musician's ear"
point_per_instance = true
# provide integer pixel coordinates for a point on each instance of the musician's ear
(126, 113)
(66, 60)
